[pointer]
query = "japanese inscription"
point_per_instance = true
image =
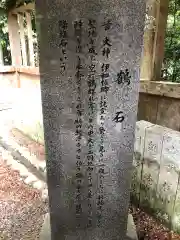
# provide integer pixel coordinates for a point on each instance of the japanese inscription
(119, 118)
(106, 50)
(63, 27)
(78, 122)
(91, 110)
(89, 74)
(122, 78)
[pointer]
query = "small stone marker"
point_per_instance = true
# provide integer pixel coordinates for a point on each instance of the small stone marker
(89, 64)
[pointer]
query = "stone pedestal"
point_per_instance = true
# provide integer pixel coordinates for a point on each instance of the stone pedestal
(46, 232)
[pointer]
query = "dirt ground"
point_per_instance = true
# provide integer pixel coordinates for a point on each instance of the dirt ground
(21, 207)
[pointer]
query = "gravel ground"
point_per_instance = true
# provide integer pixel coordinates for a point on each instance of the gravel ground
(149, 228)
(21, 207)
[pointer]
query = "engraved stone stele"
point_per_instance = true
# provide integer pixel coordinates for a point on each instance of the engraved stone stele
(89, 65)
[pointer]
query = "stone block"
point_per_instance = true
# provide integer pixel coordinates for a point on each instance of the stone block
(140, 132)
(158, 187)
(46, 229)
(89, 91)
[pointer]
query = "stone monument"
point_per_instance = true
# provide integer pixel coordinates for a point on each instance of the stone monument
(89, 64)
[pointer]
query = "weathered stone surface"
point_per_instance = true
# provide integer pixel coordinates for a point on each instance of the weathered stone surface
(131, 228)
(153, 143)
(157, 185)
(140, 135)
(140, 132)
(89, 46)
(46, 229)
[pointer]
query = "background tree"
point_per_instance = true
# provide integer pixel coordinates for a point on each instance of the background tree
(4, 40)
(171, 64)
(172, 43)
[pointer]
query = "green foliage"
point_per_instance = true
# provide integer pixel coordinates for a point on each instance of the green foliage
(4, 40)
(172, 42)
(7, 5)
